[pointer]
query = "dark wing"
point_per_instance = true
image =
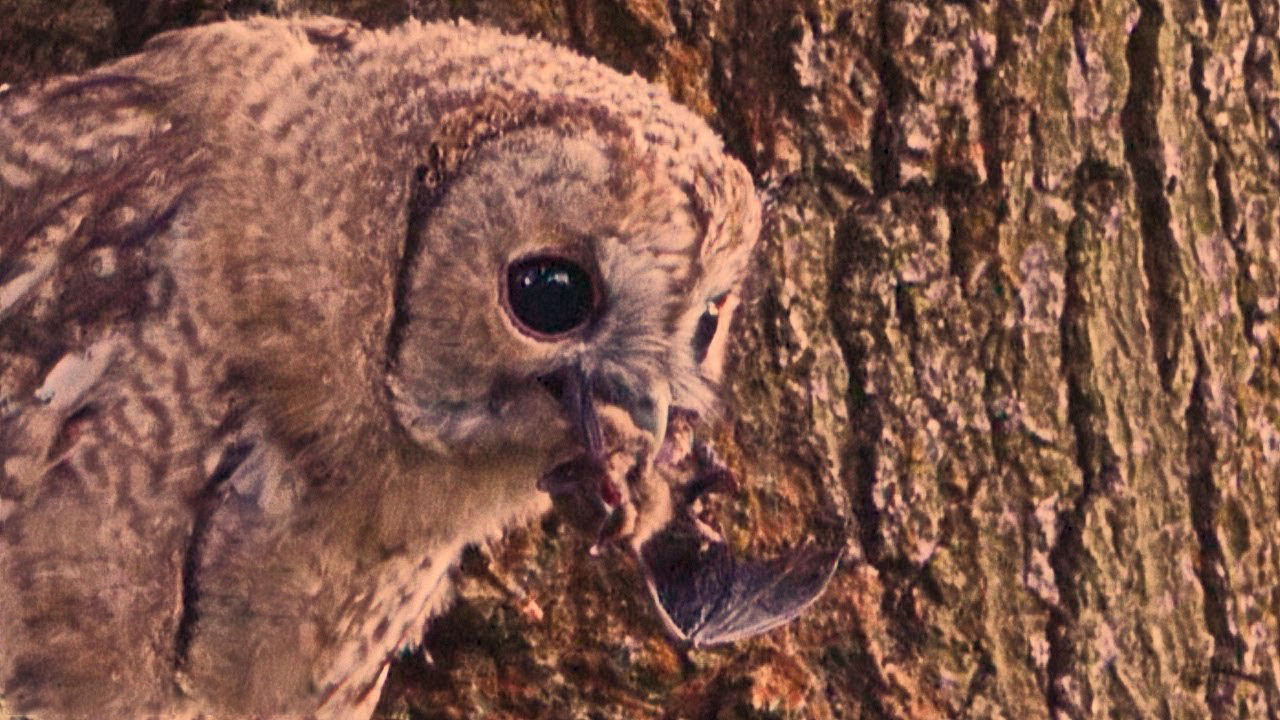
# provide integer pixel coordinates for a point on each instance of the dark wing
(707, 596)
(100, 419)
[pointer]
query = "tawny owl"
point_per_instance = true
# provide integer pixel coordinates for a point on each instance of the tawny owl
(291, 311)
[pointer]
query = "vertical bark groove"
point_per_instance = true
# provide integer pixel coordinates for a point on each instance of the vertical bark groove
(1144, 153)
(850, 252)
(1213, 572)
(884, 130)
(1067, 689)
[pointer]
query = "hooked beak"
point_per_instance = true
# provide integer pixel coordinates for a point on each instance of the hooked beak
(582, 396)
(582, 408)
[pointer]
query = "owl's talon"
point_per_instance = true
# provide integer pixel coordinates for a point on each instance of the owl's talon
(477, 561)
(706, 482)
(712, 475)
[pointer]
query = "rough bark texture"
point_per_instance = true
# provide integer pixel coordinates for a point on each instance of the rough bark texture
(1012, 339)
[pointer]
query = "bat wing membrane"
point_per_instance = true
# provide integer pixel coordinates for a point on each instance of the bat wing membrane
(707, 596)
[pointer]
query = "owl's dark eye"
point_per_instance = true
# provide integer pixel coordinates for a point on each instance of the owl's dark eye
(549, 295)
(705, 332)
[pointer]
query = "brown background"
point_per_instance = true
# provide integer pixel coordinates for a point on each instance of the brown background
(1012, 339)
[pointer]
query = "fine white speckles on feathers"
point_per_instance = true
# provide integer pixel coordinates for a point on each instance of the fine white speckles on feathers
(17, 287)
(74, 374)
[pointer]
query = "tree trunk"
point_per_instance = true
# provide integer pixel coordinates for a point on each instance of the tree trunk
(1011, 338)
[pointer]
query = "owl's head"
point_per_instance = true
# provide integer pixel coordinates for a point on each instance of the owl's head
(563, 267)
(460, 248)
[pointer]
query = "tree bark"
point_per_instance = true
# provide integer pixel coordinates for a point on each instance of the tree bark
(1011, 338)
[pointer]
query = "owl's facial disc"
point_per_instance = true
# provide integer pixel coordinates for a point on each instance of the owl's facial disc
(548, 264)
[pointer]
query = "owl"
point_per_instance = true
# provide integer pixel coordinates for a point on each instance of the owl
(292, 311)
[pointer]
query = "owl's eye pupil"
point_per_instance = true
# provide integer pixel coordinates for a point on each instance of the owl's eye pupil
(549, 295)
(705, 331)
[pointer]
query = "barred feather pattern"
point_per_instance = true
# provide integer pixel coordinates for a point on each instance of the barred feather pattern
(208, 500)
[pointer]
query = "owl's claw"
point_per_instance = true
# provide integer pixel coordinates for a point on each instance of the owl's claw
(615, 528)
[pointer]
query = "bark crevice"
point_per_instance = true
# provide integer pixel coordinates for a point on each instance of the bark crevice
(1259, 78)
(1228, 206)
(1067, 690)
(1212, 569)
(1143, 149)
(860, 456)
(886, 170)
(850, 253)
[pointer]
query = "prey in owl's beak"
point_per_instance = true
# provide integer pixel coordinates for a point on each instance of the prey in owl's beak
(642, 482)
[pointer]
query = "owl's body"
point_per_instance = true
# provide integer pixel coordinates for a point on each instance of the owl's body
(259, 377)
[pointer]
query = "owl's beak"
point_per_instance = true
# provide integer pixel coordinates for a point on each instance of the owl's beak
(582, 408)
(704, 592)
(582, 395)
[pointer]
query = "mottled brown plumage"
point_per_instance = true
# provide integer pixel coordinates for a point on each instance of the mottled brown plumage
(258, 380)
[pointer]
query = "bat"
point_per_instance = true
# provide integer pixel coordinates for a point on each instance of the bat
(702, 591)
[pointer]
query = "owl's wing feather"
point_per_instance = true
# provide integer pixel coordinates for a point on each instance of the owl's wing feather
(100, 427)
(91, 169)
